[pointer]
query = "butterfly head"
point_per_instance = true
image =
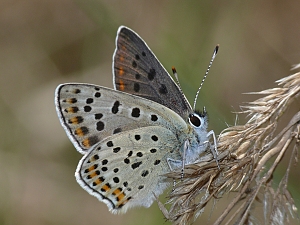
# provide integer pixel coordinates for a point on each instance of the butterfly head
(198, 120)
(198, 141)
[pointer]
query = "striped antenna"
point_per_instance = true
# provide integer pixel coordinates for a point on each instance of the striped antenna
(206, 73)
(176, 77)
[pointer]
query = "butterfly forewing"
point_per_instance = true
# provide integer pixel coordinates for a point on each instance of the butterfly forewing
(137, 71)
(126, 169)
(90, 113)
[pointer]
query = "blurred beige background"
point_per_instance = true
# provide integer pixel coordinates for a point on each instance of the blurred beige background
(45, 43)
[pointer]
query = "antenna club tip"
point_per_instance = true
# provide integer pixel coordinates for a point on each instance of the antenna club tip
(217, 48)
(173, 69)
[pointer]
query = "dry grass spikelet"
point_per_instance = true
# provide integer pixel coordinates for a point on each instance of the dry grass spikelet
(244, 151)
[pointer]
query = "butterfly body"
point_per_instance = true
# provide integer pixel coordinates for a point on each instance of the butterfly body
(133, 135)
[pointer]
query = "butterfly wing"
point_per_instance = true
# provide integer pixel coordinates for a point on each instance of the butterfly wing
(137, 71)
(125, 170)
(90, 113)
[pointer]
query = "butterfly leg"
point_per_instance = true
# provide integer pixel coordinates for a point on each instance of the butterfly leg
(213, 148)
(173, 164)
(185, 147)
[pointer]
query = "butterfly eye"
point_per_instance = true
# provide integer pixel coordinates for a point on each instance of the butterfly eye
(195, 120)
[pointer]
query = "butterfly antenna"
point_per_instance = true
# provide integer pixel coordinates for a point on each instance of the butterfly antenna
(177, 81)
(176, 76)
(206, 73)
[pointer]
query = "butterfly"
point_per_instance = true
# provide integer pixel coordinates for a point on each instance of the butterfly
(131, 136)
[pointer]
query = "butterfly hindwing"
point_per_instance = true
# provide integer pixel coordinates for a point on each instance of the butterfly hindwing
(91, 113)
(118, 169)
(137, 71)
